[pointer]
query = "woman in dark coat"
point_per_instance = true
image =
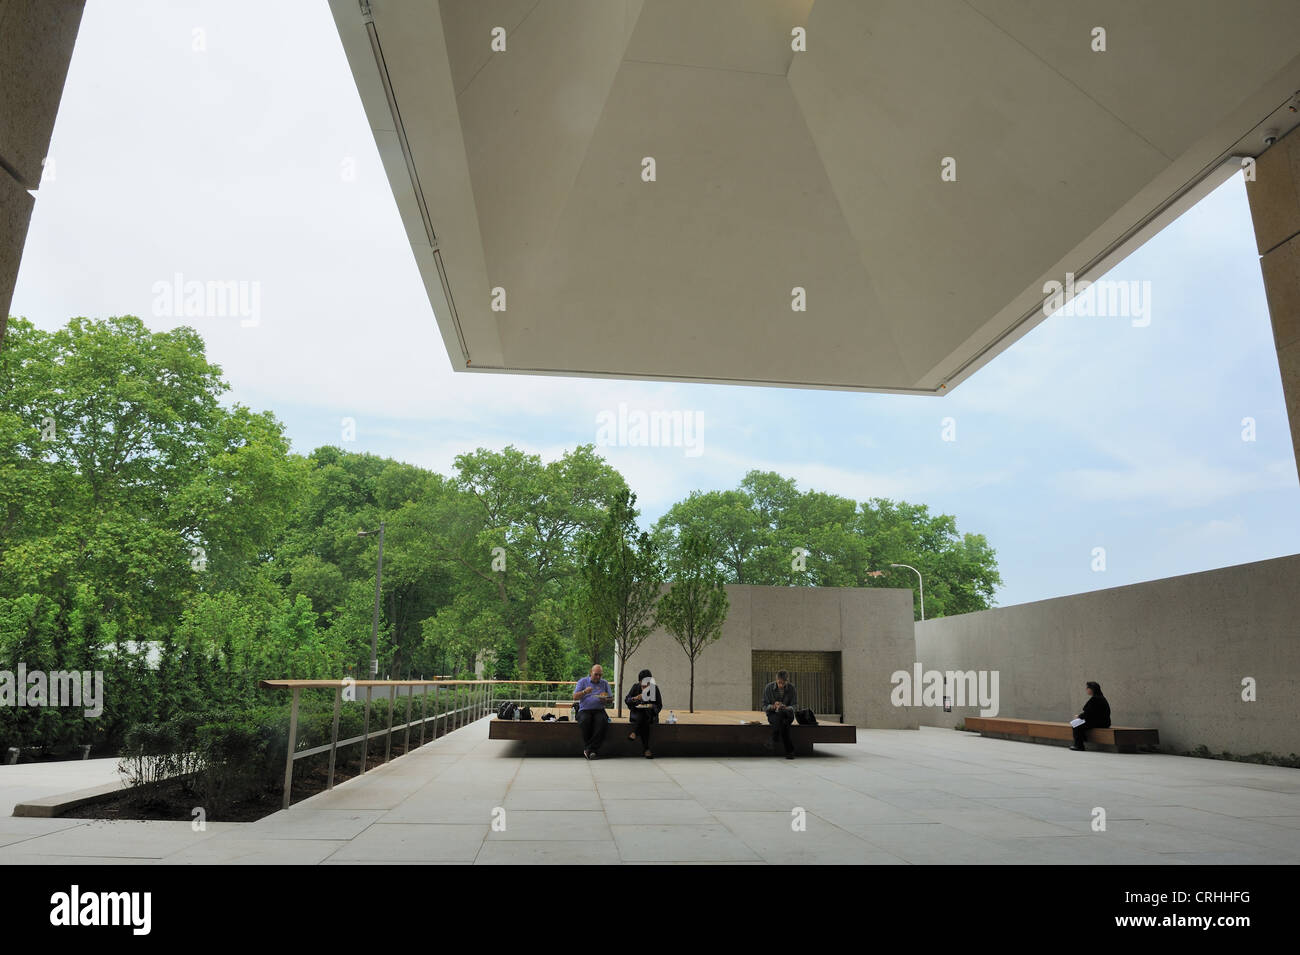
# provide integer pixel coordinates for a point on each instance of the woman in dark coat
(1095, 715)
(644, 701)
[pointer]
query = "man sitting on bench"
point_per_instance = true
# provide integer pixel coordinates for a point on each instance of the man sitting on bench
(1095, 715)
(779, 702)
(591, 693)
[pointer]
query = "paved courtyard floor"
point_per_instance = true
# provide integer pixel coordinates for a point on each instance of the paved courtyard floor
(896, 797)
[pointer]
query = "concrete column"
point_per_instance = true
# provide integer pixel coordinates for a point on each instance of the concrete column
(1275, 208)
(36, 40)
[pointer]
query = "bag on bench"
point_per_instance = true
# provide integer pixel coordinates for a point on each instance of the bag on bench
(506, 711)
(805, 717)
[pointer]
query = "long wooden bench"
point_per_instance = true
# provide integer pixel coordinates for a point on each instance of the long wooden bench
(1124, 739)
(715, 733)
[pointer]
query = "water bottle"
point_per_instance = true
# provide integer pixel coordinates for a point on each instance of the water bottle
(672, 716)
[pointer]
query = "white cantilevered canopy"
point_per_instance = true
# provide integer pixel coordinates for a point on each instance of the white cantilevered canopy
(521, 170)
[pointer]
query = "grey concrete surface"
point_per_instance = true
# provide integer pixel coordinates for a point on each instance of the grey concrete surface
(1168, 653)
(936, 796)
(27, 781)
(1274, 196)
(522, 166)
(871, 627)
(36, 41)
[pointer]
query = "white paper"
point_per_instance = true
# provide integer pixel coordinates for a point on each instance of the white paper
(1076, 722)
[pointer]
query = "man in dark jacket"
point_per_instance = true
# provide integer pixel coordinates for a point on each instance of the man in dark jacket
(1095, 715)
(779, 701)
(644, 702)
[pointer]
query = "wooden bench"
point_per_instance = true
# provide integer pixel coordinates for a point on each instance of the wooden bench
(707, 733)
(1124, 739)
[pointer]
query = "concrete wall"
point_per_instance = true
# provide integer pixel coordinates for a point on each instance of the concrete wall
(1170, 653)
(871, 627)
(36, 40)
(1275, 209)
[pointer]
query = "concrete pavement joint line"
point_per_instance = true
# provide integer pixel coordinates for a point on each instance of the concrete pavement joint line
(5, 847)
(509, 788)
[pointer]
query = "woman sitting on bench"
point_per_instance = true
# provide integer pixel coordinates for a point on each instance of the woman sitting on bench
(643, 705)
(1095, 715)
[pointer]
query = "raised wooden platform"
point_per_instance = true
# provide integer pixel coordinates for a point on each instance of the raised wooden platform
(703, 733)
(1124, 739)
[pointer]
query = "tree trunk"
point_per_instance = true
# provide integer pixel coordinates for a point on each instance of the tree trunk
(621, 659)
(692, 702)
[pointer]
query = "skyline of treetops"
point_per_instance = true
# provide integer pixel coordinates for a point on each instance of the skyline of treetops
(135, 506)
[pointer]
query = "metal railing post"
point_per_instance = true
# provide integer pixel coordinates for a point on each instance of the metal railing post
(365, 733)
(424, 711)
(334, 736)
(406, 741)
(392, 705)
(293, 742)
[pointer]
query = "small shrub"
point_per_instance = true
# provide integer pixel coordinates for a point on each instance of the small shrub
(154, 752)
(238, 757)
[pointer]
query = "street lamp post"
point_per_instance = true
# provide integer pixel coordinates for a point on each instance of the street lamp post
(920, 582)
(374, 623)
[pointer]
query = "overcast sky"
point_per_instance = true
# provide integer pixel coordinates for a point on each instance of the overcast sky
(249, 159)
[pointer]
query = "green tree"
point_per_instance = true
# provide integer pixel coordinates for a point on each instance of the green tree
(128, 495)
(695, 608)
(621, 575)
(508, 533)
(769, 532)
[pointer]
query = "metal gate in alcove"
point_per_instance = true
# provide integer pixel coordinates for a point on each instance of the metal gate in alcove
(814, 673)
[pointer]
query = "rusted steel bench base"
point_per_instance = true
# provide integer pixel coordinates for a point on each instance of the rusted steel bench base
(1123, 739)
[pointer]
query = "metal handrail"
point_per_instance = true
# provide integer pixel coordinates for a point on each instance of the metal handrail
(480, 703)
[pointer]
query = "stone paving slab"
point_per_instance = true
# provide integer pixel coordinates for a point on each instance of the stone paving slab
(928, 797)
(24, 782)
(122, 839)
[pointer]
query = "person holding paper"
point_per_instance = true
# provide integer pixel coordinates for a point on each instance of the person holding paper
(644, 701)
(1095, 715)
(779, 702)
(591, 693)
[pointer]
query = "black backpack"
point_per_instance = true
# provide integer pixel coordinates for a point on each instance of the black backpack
(805, 717)
(506, 711)
(525, 713)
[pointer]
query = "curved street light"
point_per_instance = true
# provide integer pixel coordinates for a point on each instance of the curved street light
(374, 623)
(920, 582)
